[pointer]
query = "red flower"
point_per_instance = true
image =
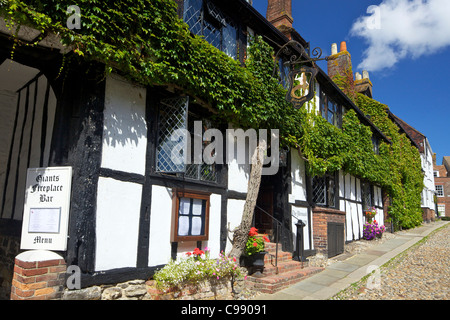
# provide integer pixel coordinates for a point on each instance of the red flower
(253, 232)
(234, 259)
(266, 239)
(198, 252)
(255, 244)
(189, 254)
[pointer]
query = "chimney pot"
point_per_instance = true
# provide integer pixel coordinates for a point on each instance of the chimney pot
(343, 46)
(365, 74)
(358, 76)
(334, 49)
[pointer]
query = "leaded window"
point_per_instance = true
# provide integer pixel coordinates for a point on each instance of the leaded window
(175, 141)
(366, 195)
(205, 19)
(330, 110)
(324, 191)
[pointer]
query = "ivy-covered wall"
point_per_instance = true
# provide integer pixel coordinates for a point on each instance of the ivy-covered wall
(147, 42)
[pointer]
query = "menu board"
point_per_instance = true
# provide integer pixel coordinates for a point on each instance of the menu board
(46, 208)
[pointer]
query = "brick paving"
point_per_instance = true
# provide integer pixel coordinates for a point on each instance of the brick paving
(420, 273)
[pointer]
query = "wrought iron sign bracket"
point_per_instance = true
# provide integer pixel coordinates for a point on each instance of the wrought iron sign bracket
(301, 86)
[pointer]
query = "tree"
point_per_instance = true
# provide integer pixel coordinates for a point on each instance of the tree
(240, 234)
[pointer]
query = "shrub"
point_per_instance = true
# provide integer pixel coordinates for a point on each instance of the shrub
(196, 267)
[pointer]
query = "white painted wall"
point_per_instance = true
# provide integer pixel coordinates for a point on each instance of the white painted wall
(124, 129)
(238, 174)
(428, 180)
(160, 226)
(234, 216)
(300, 213)
(117, 224)
(160, 247)
(298, 175)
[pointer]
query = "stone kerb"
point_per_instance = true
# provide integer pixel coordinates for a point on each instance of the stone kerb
(38, 275)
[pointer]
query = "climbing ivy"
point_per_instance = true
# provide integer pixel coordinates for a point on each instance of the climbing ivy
(146, 41)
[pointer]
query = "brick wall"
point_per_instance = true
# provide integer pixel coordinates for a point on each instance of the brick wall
(444, 181)
(37, 280)
(321, 217)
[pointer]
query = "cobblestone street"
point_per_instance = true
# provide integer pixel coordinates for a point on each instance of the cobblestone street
(421, 273)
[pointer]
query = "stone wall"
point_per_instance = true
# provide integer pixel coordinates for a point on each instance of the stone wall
(146, 290)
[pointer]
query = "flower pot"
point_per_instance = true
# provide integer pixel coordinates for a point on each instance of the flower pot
(255, 262)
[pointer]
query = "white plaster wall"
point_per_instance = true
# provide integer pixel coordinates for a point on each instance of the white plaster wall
(302, 214)
(213, 242)
(341, 184)
(234, 216)
(238, 174)
(215, 211)
(298, 185)
(117, 224)
(348, 221)
(124, 129)
(428, 180)
(160, 226)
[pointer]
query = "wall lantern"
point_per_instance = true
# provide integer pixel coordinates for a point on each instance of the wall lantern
(302, 71)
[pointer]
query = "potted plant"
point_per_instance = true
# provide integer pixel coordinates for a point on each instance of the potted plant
(254, 251)
(370, 214)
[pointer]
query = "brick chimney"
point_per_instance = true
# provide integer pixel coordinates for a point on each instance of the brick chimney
(363, 84)
(279, 13)
(340, 69)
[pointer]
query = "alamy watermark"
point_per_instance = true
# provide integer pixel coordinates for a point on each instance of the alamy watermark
(374, 280)
(74, 20)
(374, 21)
(73, 281)
(208, 147)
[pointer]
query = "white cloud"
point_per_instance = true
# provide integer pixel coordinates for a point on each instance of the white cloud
(398, 29)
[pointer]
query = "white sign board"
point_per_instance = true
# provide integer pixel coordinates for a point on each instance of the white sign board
(46, 209)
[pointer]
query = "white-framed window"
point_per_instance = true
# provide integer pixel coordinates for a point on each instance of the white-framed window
(436, 173)
(440, 190)
(441, 209)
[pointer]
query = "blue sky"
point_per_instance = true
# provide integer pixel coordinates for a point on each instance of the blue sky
(406, 51)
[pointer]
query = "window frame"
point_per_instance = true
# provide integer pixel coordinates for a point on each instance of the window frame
(215, 24)
(176, 197)
(327, 191)
(438, 193)
(371, 195)
(324, 107)
(192, 113)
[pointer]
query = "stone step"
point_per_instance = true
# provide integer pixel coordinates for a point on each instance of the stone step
(276, 282)
(283, 266)
(282, 256)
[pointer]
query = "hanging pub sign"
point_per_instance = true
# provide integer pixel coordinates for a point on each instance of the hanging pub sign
(46, 209)
(302, 71)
